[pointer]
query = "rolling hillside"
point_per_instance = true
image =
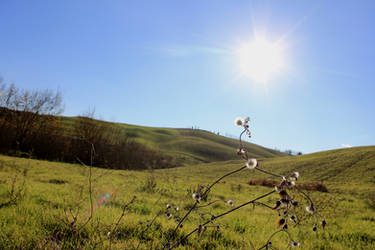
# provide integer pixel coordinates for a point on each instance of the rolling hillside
(187, 146)
(350, 169)
(47, 189)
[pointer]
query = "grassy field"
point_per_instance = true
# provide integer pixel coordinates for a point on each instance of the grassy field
(35, 218)
(187, 146)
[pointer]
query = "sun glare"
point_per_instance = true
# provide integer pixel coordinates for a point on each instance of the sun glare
(259, 59)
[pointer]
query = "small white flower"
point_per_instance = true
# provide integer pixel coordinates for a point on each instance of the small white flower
(251, 163)
(230, 203)
(241, 151)
(294, 176)
(239, 121)
(310, 209)
(292, 183)
(176, 208)
(169, 206)
(196, 196)
(109, 234)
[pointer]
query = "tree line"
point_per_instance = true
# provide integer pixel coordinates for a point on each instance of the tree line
(30, 126)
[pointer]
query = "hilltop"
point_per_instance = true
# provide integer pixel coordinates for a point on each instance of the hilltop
(186, 146)
(40, 135)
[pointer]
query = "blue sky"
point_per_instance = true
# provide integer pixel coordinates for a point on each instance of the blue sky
(172, 64)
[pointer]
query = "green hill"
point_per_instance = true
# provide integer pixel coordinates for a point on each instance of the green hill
(350, 169)
(47, 193)
(187, 146)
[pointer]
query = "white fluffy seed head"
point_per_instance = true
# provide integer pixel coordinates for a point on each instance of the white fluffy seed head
(310, 209)
(251, 163)
(294, 176)
(196, 196)
(239, 121)
(241, 151)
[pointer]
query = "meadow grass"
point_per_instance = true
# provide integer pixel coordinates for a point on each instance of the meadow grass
(34, 219)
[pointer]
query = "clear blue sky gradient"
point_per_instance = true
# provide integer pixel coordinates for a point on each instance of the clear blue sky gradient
(171, 64)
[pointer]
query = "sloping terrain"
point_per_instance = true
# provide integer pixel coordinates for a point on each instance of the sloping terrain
(187, 146)
(36, 197)
(351, 170)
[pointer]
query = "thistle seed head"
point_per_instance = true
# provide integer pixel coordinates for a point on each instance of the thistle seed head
(230, 203)
(239, 121)
(196, 196)
(310, 209)
(251, 163)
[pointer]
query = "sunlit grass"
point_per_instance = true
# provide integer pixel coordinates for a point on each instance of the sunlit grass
(51, 187)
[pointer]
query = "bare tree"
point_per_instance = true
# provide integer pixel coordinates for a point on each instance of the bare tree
(26, 112)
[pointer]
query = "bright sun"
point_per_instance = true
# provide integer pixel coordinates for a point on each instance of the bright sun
(259, 59)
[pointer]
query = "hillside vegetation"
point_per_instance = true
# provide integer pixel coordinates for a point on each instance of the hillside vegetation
(351, 169)
(31, 126)
(36, 218)
(112, 145)
(187, 146)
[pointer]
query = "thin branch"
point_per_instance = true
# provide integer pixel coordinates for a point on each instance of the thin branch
(90, 196)
(208, 204)
(299, 190)
(123, 212)
(266, 172)
(221, 215)
(272, 235)
(148, 227)
(204, 194)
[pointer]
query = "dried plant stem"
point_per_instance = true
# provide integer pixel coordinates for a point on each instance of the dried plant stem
(304, 194)
(90, 198)
(148, 226)
(123, 213)
(272, 235)
(266, 172)
(208, 204)
(263, 204)
(119, 219)
(218, 180)
(205, 194)
(221, 215)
